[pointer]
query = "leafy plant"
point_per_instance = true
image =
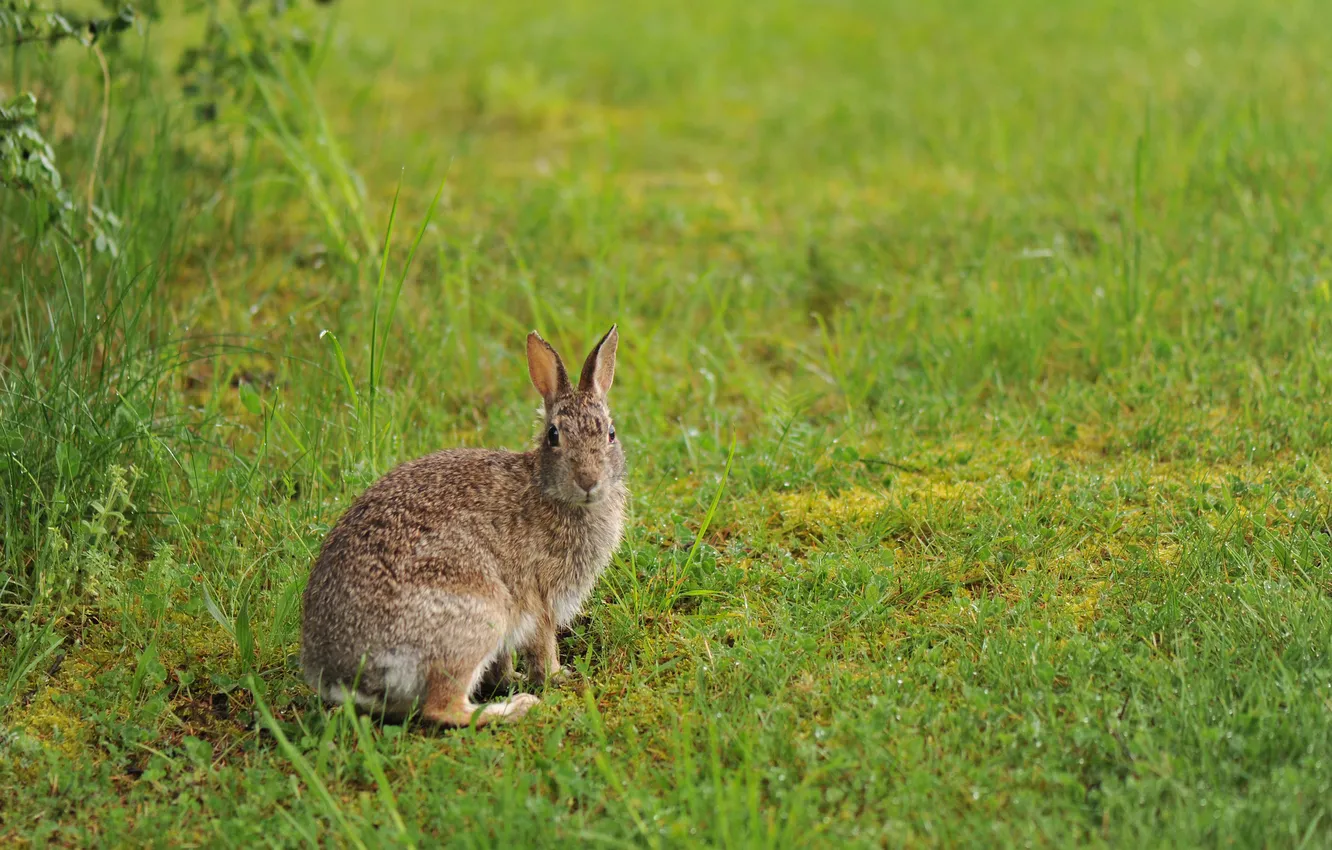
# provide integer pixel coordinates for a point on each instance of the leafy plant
(241, 38)
(242, 42)
(26, 22)
(27, 160)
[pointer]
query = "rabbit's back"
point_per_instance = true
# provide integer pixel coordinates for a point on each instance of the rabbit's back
(458, 493)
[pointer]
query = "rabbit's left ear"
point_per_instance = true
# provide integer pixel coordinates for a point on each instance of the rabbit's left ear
(546, 369)
(599, 369)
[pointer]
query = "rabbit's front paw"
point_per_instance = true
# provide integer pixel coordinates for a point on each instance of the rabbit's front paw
(512, 708)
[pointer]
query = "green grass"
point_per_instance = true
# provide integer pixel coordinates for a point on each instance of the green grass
(1016, 314)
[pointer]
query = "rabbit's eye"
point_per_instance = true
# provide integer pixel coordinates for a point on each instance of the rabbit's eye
(553, 436)
(612, 434)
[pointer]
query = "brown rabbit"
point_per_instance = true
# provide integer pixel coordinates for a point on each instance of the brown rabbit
(448, 564)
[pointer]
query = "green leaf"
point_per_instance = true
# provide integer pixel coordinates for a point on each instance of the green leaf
(845, 454)
(149, 673)
(341, 359)
(199, 752)
(216, 612)
(245, 636)
(284, 616)
(68, 460)
(250, 399)
(10, 440)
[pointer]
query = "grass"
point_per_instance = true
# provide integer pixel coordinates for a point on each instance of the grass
(1014, 317)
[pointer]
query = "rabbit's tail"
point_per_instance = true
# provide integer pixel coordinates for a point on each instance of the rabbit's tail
(392, 681)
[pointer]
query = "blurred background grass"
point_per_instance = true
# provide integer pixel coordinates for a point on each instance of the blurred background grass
(1015, 313)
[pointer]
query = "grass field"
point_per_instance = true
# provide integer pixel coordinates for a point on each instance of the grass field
(973, 377)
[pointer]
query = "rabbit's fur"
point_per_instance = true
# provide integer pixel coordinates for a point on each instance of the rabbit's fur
(448, 564)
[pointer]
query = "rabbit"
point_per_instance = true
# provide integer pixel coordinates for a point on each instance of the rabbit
(448, 564)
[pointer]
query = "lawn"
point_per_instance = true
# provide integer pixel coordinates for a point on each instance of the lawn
(973, 378)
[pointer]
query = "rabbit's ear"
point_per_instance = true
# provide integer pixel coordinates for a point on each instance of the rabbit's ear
(599, 370)
(546, 368)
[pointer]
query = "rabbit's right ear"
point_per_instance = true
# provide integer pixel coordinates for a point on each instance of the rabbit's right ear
(546, 368)
(599, 370)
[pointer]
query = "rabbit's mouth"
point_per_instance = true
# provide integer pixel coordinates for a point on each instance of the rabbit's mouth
(587, 490)
(592, 498)
(577, 497)
(589, 497)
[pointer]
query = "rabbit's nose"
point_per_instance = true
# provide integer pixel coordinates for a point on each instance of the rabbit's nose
(587, 482)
